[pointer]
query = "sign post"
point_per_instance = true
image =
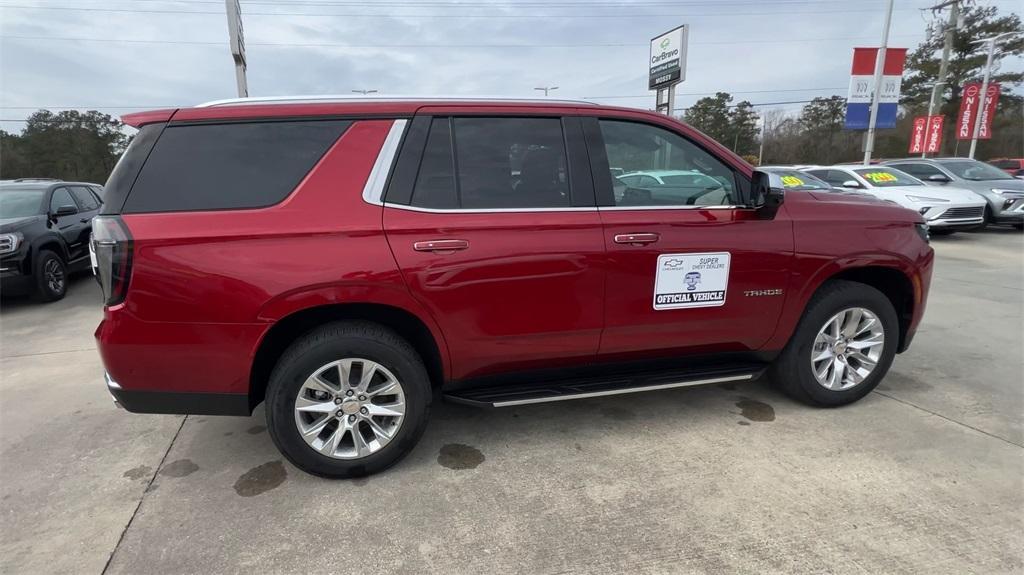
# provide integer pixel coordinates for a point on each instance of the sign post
(237, 39)
(667, 66)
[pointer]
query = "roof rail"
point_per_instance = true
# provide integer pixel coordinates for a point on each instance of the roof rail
(38, 180)
(356, 99)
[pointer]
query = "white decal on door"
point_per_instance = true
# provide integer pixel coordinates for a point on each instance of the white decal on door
(691, 280)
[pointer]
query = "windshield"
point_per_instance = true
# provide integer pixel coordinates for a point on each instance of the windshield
(796, 180)
(20, 203)
(887, 177)
(975, 170)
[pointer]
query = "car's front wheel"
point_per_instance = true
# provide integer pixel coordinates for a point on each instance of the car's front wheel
(348, 399)
(51, 277)
(842, 347)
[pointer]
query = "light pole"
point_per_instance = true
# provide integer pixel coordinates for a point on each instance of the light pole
(984, 86)
(869, 144)
(931, 107)
(364, 92)
(547, 89)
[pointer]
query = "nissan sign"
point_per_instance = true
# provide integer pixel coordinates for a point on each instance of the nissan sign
(668, 58)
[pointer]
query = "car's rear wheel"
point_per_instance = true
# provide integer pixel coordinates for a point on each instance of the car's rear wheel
(842, 347)
(348, 399)
(51, 276)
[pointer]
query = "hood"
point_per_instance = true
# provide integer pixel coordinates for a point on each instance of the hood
(12, 224)
(948, 193)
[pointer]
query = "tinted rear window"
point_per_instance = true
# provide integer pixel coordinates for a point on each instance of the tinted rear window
(229, 166)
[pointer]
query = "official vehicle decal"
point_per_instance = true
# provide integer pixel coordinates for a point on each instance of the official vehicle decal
(691, 280)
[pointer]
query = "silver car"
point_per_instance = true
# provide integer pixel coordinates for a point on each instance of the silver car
(1004, 194)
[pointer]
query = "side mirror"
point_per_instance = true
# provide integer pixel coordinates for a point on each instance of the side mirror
(767, 194)
(65, 210)
(940, 178)
(853, 184)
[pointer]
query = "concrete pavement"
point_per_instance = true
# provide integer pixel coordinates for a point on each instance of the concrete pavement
(925, 475)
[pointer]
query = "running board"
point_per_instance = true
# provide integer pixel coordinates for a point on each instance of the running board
(525, 394)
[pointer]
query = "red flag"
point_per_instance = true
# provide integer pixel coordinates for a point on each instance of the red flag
(933, 140)
(988, 110)
(968, 110)
(917, 134)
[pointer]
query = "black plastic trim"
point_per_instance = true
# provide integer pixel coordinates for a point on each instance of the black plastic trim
(182, 403)
(398, 189)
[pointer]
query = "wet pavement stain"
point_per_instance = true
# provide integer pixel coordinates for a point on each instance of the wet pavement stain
(261, 479)
(256, 429)
(459, 456)
(756, 410)
(579, 447)
(618, 413)
(743, 422)
(139, 472)
(179, 468)
(152, 487)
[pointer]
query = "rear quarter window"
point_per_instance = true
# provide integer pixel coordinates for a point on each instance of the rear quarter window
(229, 166)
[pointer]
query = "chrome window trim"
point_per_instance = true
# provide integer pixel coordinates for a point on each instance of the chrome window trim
(566, 209)
(373, 190)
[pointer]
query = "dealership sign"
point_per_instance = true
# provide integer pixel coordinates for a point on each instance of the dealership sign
(668, 58)
(968, 114)
(926, 135)
(862, 82)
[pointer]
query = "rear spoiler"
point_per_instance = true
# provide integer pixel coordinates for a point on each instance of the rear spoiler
(139, 119)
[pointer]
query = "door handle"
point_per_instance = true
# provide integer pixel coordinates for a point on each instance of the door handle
(440, 245)
(636, 239)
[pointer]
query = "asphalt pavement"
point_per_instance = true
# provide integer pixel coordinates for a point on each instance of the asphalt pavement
(925, 475)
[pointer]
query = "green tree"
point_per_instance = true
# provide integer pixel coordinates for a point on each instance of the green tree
(966, 64)
(734, 126)
(69, 145)
(822, 138)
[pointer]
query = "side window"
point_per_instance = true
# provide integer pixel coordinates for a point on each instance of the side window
(229, 166)
(435, 181)
(920, 171)
(490, 163)
(510, 163)
(669, 170)
(61, 197)
(86, 201)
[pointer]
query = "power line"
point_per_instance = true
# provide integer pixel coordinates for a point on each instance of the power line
(452, 16)
(336, 45)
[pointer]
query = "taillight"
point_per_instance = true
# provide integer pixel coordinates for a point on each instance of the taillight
(112, 246)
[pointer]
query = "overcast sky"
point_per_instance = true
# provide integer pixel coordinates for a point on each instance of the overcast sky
(135, 54)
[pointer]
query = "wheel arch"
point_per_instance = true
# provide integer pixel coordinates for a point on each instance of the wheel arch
(50, 242)
(424, 338)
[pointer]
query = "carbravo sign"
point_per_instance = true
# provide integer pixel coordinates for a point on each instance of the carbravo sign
(668, 58)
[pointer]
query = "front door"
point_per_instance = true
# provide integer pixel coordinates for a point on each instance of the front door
(690, 271)
(69, 225)
(492, 222)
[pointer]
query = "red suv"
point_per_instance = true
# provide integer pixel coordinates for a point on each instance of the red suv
(347, 261)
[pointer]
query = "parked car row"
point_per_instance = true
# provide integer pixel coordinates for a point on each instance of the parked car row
(44, 234)
(952, 194)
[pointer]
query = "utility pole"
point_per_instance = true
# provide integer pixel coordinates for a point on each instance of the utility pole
(869, 144)
(237, 39)
(984, 87)
(931, 107)
(364, 92)
(546, 89)
(947, 46)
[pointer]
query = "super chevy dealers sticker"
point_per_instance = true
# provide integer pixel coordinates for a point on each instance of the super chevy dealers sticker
(691, 280)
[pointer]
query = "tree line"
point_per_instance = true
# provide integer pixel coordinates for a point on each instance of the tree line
(815, 135)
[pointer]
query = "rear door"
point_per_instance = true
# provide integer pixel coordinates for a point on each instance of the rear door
(69, 226)
(689, 269)
(493, 224)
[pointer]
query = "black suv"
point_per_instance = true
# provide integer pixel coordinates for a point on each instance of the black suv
(44, 234)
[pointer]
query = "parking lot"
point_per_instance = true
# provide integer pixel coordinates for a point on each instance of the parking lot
(924, 475)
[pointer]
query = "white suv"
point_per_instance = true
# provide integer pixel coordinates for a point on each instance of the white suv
(946, 209)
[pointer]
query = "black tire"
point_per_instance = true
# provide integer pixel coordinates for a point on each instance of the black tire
(941, 232)
(50, 275)
(333, 342)
(1018, 226)
(792, 371)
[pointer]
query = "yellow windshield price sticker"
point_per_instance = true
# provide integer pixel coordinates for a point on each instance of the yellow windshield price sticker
(791, 181)
(880, 177)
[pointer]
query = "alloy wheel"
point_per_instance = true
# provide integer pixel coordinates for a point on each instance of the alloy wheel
(350, 408)
(847, 349)
(54, 276)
